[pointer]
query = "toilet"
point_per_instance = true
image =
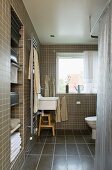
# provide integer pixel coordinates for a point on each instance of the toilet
(91, 121)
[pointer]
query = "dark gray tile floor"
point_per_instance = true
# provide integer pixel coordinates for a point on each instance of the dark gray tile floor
(68, 150)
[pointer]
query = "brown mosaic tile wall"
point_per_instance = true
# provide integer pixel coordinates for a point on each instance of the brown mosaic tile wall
(4, 85)
(76, 113)
(5, 29)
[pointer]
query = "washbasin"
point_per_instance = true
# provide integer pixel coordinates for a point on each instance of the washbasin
(48, 103)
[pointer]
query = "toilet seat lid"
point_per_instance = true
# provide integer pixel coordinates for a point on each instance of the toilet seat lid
(92, 118)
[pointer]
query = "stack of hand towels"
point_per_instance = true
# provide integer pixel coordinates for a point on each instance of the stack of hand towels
(15, 145)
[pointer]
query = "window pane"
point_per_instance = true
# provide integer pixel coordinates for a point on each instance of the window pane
(71, 71)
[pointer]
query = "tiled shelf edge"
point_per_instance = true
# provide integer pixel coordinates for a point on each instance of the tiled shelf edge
(17, 127)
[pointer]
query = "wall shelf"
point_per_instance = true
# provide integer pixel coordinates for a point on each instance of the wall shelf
(13, 84)
(15, 104)
(16, 85)
(15, 64)
(15, 129)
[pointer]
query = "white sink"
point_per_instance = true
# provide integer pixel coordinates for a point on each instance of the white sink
(48, 103)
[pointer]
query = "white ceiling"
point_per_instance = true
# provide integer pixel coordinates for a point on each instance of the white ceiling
(68, 20)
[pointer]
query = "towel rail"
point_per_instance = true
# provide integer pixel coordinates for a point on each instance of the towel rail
(33, 41)
(33, 45)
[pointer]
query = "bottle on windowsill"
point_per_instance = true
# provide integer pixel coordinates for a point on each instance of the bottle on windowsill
(67, 88)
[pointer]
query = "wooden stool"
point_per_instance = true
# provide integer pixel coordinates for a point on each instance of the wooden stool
(45, 122)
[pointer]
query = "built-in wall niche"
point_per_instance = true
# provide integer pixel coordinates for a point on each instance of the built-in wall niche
(16, 86)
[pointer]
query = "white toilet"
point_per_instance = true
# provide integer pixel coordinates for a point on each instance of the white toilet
(91, 121)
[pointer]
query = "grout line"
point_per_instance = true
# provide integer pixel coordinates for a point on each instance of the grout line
(88, 147)
(61, 155)
(66, 152)
(74, 139)
(77, 150)
(41, 154)
(79, 154)
(33, 154)
(53, 155)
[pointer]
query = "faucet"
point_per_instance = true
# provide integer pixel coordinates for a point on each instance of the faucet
(78, 88)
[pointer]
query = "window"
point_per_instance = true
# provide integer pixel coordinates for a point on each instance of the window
(78, 71)
(70, 70)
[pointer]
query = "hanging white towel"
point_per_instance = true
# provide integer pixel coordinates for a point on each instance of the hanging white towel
(36, 72)
(47, 80)
(52, 87)
(36, 81)
(63, 109)
(58, 113)
(30, 63)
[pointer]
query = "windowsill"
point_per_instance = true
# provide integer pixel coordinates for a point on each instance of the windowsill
(77, 93)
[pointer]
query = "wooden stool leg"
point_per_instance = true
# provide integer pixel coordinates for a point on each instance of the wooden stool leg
(39, 125)
(39, 131)
(49, 119)
(53, 130)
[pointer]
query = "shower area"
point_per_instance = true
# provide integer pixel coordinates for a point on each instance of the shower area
(104, 95)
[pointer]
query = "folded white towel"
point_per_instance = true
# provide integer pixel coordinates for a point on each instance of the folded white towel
(15, 136)
(15, 141)
(13, 151)
(14, 147)
(14, 154)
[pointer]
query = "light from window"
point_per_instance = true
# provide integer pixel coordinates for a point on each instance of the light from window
(70, 70)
